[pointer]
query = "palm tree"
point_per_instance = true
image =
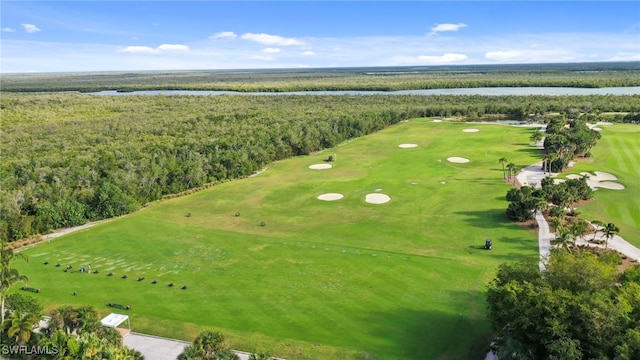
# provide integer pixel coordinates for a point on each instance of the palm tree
(59, 340)
(512, 170)
(540, 204)
(536, 136)
(74, 320)
(557, 224)
(503, 161)
(609, 231)
(565, 240)
(20, 324)
(579, 228)
(8, 275)
(597, 224)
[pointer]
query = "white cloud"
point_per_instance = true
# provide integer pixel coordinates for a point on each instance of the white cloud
(173, 47)
(8, 29)
(446, 27)
(509, 55)
(223, 35)
(164, 48)
(308, 53)
(447, 58)
(263, 57)
(531, 56)
(267, 39)
(139, 50)
(30, 28)
(625, 57)
(271, 50)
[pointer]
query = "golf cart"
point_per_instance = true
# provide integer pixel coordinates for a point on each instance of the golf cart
(488, 244)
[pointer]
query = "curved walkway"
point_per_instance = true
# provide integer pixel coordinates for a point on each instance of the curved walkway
(532, 175)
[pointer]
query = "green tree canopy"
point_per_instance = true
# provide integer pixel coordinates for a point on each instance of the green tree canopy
(576, 309)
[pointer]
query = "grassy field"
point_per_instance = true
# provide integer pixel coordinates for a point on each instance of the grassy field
(618, 153)
(330, 280)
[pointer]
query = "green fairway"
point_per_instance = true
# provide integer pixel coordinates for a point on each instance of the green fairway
(618, 153)
(321, 279)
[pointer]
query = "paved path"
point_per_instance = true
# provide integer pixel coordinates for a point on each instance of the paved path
(159, 348)
(153, 347)
(544, 239)
(615, 243)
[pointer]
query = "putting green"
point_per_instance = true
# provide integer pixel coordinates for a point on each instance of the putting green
(309, 279)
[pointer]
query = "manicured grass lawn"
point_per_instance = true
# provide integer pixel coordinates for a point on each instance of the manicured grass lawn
(322, 280)
(618, 153)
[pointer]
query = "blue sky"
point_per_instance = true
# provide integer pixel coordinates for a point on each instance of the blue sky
(61, 36)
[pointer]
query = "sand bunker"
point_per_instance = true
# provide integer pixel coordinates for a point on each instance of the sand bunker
(599, 179)
(437, 120)
(455, 159)
(377, 198)
(470, 130)
(320, 166)
(407, 146)
(330, 197)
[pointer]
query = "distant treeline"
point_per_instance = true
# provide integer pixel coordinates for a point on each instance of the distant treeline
(68, 158)
(584, 75)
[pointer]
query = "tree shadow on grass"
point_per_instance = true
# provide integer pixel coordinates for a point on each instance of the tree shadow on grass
(431, 334)
(486, 219)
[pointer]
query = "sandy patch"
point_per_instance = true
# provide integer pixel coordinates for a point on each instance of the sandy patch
(320, 166)
(377, 198)
(470, 130)
(455, 159)
(407, 146)
(597, 125)
(599, 179)
(437, 120)
(330, 197)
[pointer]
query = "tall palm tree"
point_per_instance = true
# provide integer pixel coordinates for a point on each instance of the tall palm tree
(565, 240)
(511, 167)
(597, 224)
(609, 231)
(579, 228)
(512, 171)
(8, 274)
(503, 160)
(20, 324)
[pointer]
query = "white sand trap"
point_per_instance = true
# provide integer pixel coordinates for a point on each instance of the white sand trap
(437, 120)
(470, 130)
(377, 198)
(330, 197)
(599, 179)
(320, 166)
(407, 146)
(455, 159)
(443, 182)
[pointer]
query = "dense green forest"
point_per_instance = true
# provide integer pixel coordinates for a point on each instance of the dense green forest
(585, 75)
(69, 158)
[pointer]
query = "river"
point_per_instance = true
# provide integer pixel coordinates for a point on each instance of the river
(484, 91)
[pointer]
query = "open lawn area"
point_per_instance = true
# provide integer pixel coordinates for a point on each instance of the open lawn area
(320, 279)
(617, 153)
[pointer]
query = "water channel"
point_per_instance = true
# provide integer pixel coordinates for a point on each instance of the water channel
(483, 91)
